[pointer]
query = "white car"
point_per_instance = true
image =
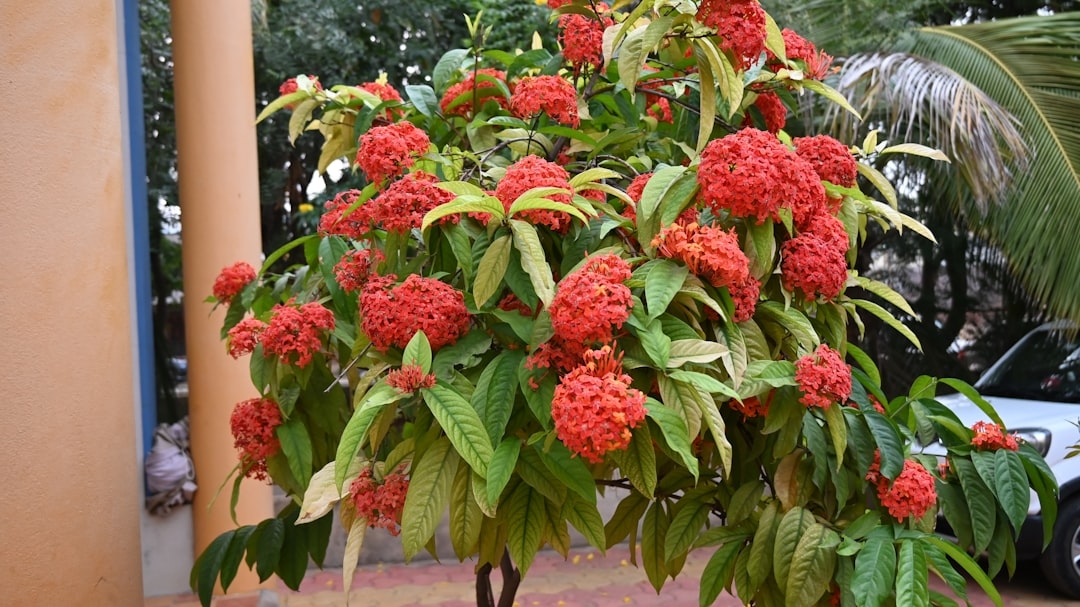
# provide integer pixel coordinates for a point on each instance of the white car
(1035, 389)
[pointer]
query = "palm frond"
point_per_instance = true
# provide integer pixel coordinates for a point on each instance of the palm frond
(1031, 66)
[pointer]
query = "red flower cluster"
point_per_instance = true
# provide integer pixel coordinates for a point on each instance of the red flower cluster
(832, 160)
(409, 379)
(386, 93)
(402, 206)
(829, 229)
(745, 296)
(709, 252)
(355, 267)
(476, 88)
(380, 503)
(773, 112)
(823, 377)
(393, 314)
(740, 24)
(637, 186)
(582, 37)
(911, 493)
(244, 337)
(386, 151)
(991, 437)
(814, 266)
(297, 331)
(549, 94)
(752, 174)
(535, 172)
(252, 423)
(355, 225)
(594, 407)
(592, 302)
(751, 407)
(232, 280)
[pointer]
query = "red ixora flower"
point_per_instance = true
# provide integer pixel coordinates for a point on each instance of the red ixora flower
(355, 267)
(292, 85)
(773, 112)
(295, 333)
(477, 88)
(380, 503)
(592, 302)
(991, 437)
(232, 280)
(740, 25)
(403, 204)
(244, 337)
(911, 493)
(252, 423)
(710, 252)
(823, 377)
(386, 151)
(751, 407)
(535, 172)
(393, 314)
(594, 408)
(813, 266)
(817, 64)
(409, 379)
(831, 159)
(356, 224)
(752, 174)
(827, 228)
(551, 95)
(582, 37)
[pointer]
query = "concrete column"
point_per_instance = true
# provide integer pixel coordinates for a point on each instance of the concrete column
(71, 492)
(219, 198)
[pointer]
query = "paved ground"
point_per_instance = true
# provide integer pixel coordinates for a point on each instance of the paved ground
(586, 579)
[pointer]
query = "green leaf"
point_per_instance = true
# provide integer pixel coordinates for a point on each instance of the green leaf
(638, 461)
(653, 538)
(584, 516)
(760, 562)
(501, 467)
(533, 260)
(811, 569)
(968, 564)
(650, 332)
(911, 572)
(666, 184)
(693, 512)
(889, 319)
(534, 199)
(208, 566)
(465, 515)
(626, 518)
(355, 433)
(271, 536)
(493, 398)
(718, 429)
(980, 500)
(423, 99)
(831, 94)
(429, 494)
(418, 352)
(663, 282)
(525, 520)
(490, 271)
(281, 102)
(791, 319)
(760, 248)
(888, 442)
(1011, 488)
(834, 418)
(464, 204)
(447, 66)
(570, 470)
(230, 564)
(705, 382)
(875, 572)
(718, 573)
(675, 433)
(695, 351)
(885, 292)
(793, 525)
(973, 395)
(296, 445)
(461, 424)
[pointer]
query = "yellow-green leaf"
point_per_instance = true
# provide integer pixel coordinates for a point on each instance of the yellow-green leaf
(534, 260)
(916, 149)
(461, 424)
(428, 496)
(492, 268)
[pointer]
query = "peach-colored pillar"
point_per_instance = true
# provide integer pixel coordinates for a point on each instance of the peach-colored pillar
(219, 197)
(69, 508)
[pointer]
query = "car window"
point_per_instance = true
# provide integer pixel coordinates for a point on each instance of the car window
(1045, 365)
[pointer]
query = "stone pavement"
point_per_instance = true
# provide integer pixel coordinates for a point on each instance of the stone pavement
(586, 579)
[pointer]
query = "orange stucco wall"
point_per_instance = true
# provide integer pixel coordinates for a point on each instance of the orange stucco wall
(69, 483)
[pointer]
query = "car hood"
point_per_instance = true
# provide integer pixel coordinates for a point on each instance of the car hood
(1015, 413)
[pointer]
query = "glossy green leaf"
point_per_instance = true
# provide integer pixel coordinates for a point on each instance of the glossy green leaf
(230, 564)
(569, 469)
(418, 352)
(718, 573)
(834, 419)
(662, 283)
(911, 586)
(638, 461)
(692, 514)
(429, 494)
(654, 529)
(968, 564)
(759, 565)
(491, 269)
(675, 433)
(356, 430)
(465, 515)
(585, 517)
(533, 260)
(461, 424)
(1010, 487)
(525, 520)
(704, 382)
(208, 566)
(625, 519)
(423, 99)
(695, 351)
(888, 442)
(875, 572)
(296, 445)
(496, 389)
(501, 467)
(811, 570)
(980, 500)
(794, 321)
(789, 531)
(464, 204)
(271, 536)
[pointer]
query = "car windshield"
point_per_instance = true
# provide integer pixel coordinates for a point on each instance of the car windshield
(1044, 366)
